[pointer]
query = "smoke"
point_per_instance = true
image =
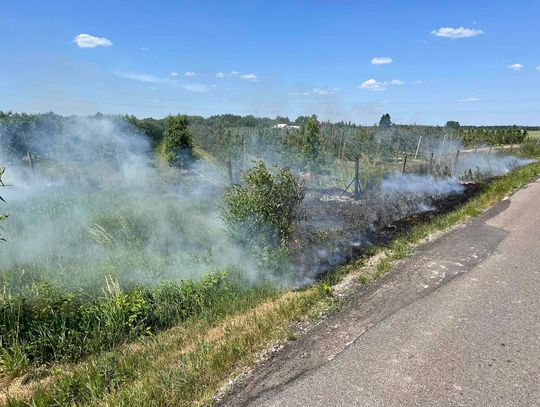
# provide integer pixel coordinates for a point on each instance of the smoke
(98, 204)
(421, 186)
(487, 164)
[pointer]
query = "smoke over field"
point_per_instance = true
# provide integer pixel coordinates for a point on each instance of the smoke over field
(99, 205)
(107, 242)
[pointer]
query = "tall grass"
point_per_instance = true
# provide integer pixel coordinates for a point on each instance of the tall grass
(54, 325)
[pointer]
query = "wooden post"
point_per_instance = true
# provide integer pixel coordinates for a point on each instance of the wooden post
(357, 178)
(431, 164)
(244, 155)
(30, 161)
(418, 147)
(229, 170)
(404, 164)
(454, 163)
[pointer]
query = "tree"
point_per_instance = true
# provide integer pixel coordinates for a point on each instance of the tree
(385, 121)
(312, 141)
(177, 144)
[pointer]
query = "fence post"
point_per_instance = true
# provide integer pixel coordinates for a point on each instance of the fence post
(418, 147)
(431, 164)
(30, 161)
(356, 178)
(454, 163)
(404, 164)
(244, 155)
(229, 171)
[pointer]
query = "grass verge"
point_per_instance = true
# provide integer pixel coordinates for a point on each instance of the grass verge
(187, 364)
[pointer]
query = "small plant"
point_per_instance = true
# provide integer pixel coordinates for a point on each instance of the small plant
(325, 289)
(291, 336)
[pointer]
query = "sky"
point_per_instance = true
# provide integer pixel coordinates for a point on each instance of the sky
(424, 62)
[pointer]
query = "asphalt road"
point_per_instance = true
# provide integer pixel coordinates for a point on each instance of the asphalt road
(456, 324)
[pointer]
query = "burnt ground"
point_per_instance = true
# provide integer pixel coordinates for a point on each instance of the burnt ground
(336, 228)
(454, 324)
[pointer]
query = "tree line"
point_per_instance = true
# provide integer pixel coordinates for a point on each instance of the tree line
(230, 136)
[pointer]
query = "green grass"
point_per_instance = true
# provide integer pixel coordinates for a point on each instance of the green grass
(534, 134)
(53, 325)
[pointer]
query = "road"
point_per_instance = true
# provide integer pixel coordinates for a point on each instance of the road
(457, 324)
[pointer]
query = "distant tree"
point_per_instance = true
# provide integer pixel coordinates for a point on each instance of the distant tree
(301, 120)
(177, 144)
(312, 141)
(152, 128)
(281, 119)
(385, 121)
(453, 125)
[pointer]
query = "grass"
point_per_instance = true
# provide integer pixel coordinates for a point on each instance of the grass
(54, 325)
(188, 363)
(534, 134)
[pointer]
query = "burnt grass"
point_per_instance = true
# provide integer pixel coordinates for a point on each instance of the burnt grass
(336, 229)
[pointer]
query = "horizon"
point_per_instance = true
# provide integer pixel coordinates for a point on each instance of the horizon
(465, 62)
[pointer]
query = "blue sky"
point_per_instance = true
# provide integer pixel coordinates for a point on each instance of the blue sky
(477, 62)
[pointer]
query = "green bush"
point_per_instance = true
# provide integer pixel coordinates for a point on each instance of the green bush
(177, 145)
(262, 212)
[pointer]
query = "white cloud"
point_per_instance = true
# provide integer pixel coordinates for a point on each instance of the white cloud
(250, 77)
(538, 67)
(317, 91)
(89, 41)
(381, 60)
(190, 74)
(460, 32)
(142, 77)
(197, 87)
(466, 100)
(144, 48)
(247, 77)
(372, 84)
(174, 73)
(515, 67)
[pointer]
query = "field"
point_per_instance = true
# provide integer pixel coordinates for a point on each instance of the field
(108, 244)
(534, 134)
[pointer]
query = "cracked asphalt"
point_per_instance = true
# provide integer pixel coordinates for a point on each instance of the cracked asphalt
(456, 324)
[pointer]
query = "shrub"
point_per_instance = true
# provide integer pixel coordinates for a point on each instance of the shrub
(262, 213)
